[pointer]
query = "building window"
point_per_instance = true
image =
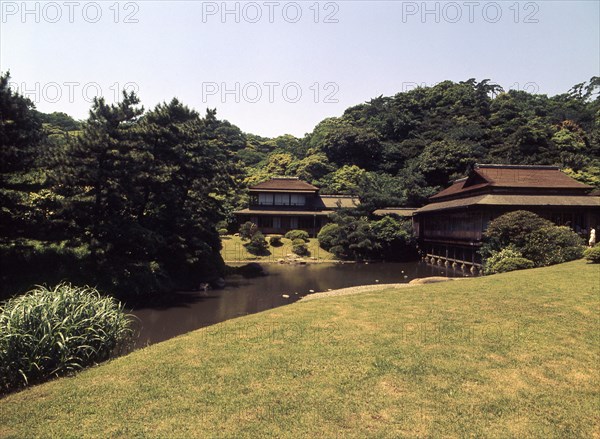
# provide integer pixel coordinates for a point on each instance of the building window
(282, 199)
(298, 200)
(265, 199)
(276, 222)
(307, 222)
(294, 223)
(265, 221)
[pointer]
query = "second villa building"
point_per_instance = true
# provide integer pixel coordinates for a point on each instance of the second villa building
(288, 203)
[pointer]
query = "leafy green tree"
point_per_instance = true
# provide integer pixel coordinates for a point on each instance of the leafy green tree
(313, 167)
(378, 189)
(350, 237)
(442, 161)
(345, 144)
(344, 180)
(395, 239)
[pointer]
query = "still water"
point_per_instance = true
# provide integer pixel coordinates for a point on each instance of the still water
(241, 296)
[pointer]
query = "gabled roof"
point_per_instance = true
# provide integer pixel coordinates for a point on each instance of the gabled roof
(516, 201)
(284, 184)
(512, 176)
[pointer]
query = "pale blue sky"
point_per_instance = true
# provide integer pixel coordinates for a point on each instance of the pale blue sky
(188, 50)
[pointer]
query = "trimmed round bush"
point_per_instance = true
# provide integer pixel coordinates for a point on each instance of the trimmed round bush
(297, 234)
(328, 235)
(222, 232)
(512, 228)
(298, 241)
(535, 238)
(275, 241)
(553, 245)
(592, 254)
(258, 244)
(300, 249)
(50, 332)
(512, 264)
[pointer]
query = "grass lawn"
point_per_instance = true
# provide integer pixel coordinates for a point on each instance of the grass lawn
(510, 355)
(234, 251)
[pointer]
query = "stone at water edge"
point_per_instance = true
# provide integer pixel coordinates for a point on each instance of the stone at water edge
(218, 283)
(429, 280)
(311, 291)
(285, 296)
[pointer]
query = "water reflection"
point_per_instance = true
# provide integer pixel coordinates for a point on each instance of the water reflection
(242, 296)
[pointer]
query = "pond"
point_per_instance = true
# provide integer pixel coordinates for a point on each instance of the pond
(242, 296)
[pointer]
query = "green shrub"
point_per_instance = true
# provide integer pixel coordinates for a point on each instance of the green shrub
(258, 244)
(592, 254)
(327, 235)
(50, 332)
(512, 228)
(275, 241)
(511, 264)
(553, 245)
(533, 237)
(300, 249)
(491, 263)
(248, 229)
(298, 241)
(297, 234)
(222, 232)
(351, 238)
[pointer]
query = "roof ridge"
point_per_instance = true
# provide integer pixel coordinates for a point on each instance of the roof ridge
(337, 196)
(501, 166)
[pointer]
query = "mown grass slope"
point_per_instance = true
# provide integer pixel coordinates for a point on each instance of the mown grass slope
(234, 251)
(510, 355)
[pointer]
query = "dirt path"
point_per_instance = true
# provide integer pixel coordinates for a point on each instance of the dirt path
(376, 287)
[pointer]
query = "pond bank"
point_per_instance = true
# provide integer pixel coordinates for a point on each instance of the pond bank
(376, 287)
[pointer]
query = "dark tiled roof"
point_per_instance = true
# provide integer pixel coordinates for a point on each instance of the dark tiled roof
(514, 201)
(512, 176)
(285, 184)
(458, 187)
(283, 212)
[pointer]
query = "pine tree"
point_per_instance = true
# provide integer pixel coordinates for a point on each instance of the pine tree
(20, 139)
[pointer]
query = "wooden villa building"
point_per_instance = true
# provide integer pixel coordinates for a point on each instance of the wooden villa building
(450, 228)
(288, 203)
